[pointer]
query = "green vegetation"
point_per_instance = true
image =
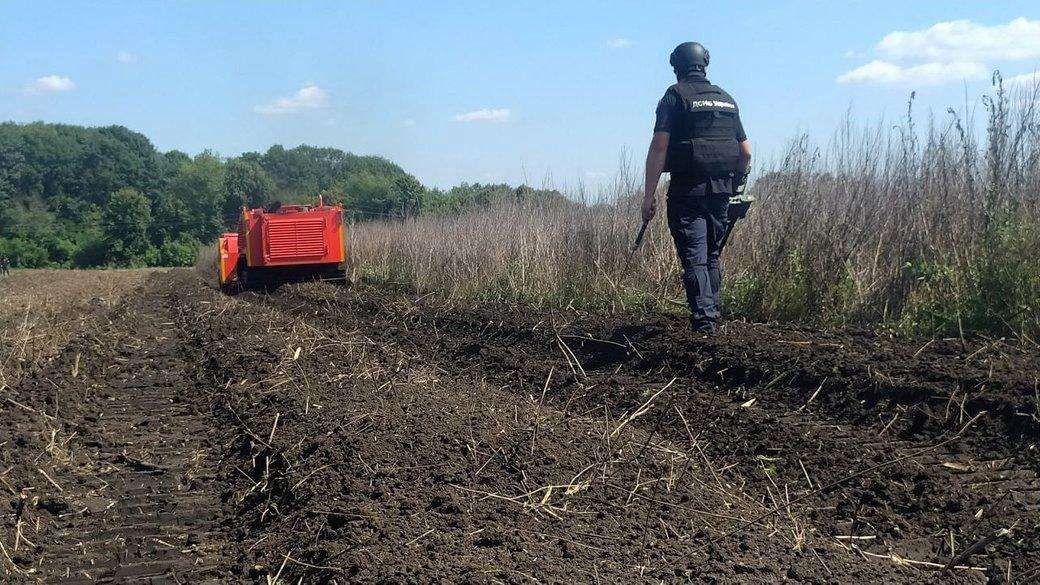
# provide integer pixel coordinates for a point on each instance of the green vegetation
(932, 231)
(468, 196)
(72, 196)
(998, 290)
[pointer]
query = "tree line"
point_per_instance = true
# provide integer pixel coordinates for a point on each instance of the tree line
(74, 196)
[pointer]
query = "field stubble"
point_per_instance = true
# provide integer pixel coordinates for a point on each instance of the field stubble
(332, 434)
(568, 446)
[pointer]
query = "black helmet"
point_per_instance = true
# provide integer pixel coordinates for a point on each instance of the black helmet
(689, 57)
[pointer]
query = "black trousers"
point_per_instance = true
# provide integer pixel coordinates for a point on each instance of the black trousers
(696, 217)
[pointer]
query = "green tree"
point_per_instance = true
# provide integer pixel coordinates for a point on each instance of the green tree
(368, 195)
(12, 166)
(169, 164)
(245, 183)
(125, 227)
(409, 194)
(23, 253)
(308, 170)
(198, 196)
(170, 217)
(58, 184)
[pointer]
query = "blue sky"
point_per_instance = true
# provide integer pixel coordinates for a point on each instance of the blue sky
(479, 91)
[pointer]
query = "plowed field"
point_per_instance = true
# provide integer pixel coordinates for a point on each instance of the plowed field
(160, 432)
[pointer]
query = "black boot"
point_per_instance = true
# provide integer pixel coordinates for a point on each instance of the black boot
(702, 327)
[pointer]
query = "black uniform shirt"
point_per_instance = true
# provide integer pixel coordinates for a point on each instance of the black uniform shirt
(669, 111)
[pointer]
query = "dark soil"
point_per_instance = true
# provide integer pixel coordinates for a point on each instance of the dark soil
(122, 490)
(343, 435)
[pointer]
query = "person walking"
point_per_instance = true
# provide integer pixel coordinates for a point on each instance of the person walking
(698, 138)
(5, 266)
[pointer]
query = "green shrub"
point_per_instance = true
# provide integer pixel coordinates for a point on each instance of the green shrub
(181, 252)
(24, 253)
(997, 290)
(91, 254)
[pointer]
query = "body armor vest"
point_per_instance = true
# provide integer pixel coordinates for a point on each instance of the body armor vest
(704, 141)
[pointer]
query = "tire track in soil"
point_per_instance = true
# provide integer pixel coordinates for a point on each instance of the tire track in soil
(149, 511)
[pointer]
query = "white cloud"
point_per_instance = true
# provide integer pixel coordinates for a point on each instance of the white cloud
(945, 52)
(884, 72)
(310, 97)
(955, 40)
(1026, 79)
(484, 115)
(407, 123)
(619, 43)
(127, 57)
(50, 84)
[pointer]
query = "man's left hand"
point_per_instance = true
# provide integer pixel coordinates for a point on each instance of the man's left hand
(741, 183)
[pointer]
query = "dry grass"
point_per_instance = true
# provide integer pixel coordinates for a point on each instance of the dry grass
(40, 310)
(207, 263)
(935, 229)
(521, 251)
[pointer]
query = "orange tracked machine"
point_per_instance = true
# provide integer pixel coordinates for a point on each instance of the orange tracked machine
(280, 244)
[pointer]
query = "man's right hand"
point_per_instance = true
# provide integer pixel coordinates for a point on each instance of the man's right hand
(655, 159)
(649, 209)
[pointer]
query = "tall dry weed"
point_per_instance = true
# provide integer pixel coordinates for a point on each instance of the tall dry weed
(933, 229)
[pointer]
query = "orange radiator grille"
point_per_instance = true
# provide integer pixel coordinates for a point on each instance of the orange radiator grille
(298, 238)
